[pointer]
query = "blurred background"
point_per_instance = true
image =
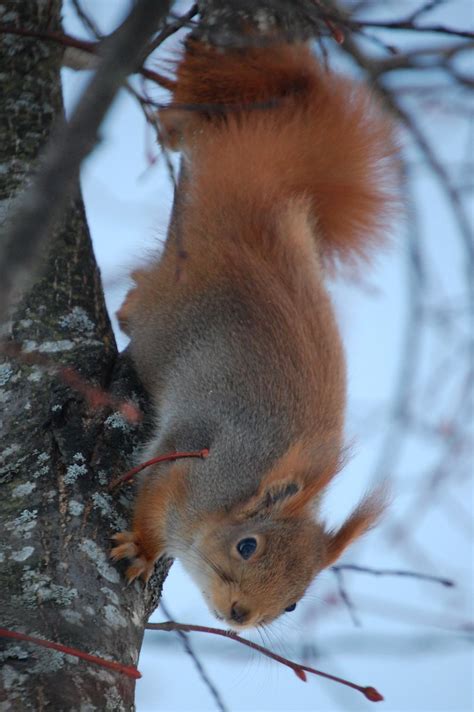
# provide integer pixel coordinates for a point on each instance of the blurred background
(407, 327)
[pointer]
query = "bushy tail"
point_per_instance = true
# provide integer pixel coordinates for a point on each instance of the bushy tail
(271, 122)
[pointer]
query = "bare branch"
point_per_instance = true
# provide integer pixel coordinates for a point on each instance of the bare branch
(424, 9)
(345, 596)
(369, 692)
(68, 650)
(170, 29)
(407, 25)
(197, 664)
(393, 572)
(87, 47)
(86, 19)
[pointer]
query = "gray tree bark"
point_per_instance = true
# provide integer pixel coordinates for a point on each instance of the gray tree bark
(57, 453)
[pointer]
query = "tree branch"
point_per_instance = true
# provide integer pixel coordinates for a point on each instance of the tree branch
(393, 572)
(369, 692)
(36, 211)
(197, 664)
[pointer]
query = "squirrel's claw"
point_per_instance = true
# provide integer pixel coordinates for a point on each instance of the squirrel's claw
(140, 568)
(129, 548)
(126, 549)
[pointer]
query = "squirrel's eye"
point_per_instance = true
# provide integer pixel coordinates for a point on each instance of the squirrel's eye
(290, 608)
(246, 547)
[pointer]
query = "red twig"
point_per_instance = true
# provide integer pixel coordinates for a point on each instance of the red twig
(336, 31)
(96, 397)
(161, 458)
(110, 664)
(163, 81)
(300, 670)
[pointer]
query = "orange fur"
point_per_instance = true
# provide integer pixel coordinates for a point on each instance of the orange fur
(361, 520)
(158, 494)
(297, 468)
(274, 123)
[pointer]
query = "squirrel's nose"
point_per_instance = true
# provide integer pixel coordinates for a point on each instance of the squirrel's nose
(238, 613)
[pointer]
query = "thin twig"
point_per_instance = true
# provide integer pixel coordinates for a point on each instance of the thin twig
(423, 9)
(94, 395)
(154, 461)
(345, 596)
(393, 572)
(451, 193)
(197, 663)
(95, 48)
(128, 670)
(406, 25)
(170, 29)
(369, 692)
(86, 19)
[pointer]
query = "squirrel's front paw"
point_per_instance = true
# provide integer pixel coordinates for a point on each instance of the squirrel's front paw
(129, 547)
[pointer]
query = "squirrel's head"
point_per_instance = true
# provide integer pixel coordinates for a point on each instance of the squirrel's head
(262, 567)
(255, 562)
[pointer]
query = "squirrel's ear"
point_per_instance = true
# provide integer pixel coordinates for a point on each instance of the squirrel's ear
(365, 516)
(290, 486)
(278, 486)
(270, 498)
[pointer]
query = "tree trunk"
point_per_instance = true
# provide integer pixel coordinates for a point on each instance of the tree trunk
(58, 451)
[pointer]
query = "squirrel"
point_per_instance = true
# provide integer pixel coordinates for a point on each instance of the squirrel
(288, 170)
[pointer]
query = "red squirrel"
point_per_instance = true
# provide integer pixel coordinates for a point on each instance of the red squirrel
(288, 170)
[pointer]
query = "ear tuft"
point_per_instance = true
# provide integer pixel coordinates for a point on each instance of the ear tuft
(363, 518)
(272, 499)
(296, 481)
